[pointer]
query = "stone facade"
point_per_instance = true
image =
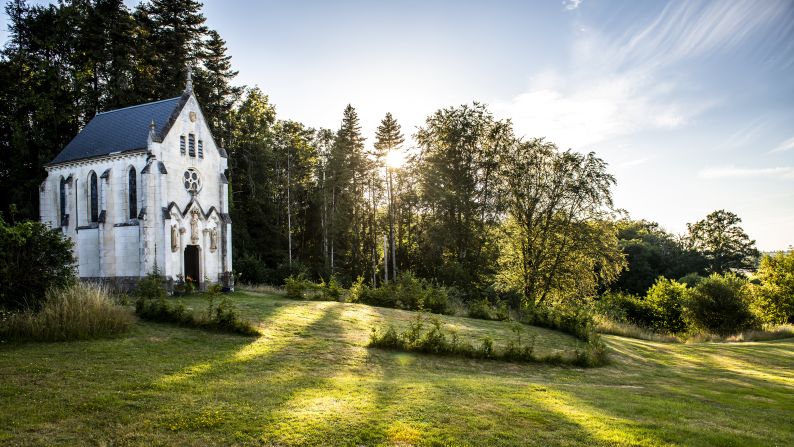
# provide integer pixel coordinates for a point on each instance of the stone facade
(162, 204)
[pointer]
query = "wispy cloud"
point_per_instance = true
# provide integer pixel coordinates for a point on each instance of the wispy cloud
(570, 5)
(623, 85)
(784, 146)
(784, 172)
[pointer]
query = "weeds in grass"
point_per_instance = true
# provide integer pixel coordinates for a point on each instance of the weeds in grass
(437, 340)
(82, 311)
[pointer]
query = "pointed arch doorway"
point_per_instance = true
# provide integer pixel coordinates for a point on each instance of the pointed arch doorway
(192, 270)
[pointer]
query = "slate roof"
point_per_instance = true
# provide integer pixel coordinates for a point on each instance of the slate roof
(122, 130)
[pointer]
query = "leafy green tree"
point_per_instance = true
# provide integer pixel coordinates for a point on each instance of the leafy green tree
(459, 183)
(723, 242)
(773, 299)
(719, 305)
(559, 240)
(666, 298)
(652, 252)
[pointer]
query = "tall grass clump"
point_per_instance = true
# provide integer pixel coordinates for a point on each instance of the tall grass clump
(80, 312)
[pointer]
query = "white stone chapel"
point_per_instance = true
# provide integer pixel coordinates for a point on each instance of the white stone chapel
(140, 186)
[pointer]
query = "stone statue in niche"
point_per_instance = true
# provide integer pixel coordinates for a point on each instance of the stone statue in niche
(174, 241)
(213, 240)
(194, 233)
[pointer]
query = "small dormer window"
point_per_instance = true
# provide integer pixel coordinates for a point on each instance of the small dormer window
(182, 144)
(200, 149)
(191, 145)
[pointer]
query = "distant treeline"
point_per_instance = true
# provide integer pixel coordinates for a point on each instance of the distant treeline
(473, 207)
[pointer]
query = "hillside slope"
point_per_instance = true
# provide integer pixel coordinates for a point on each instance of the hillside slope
(309, 380)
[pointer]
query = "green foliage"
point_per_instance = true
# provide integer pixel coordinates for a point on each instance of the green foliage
(577, 322)
(691, 279)
(252, 270)
(433, 338)
(33, 259)
(151, 287)
(666, 300)
(719, 305)
(332, 290)
(81, 311)
(723, 242)
(773, 299)
(650, 253)
(222, 317)
(484, 310)
(626, 308)
(408, 292)
(297, 286)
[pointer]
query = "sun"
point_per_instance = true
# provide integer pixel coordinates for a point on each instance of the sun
(395, 159)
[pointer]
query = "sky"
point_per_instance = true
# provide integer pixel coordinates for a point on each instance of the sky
(691, 103)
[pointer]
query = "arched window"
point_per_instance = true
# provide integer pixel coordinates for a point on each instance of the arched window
(132, 191)
(94, 198)
(63, 200)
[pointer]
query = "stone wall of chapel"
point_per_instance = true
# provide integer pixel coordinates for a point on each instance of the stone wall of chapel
(101, 249)
(210, 166)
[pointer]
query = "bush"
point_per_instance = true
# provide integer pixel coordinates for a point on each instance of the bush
(331, 291)
(719, 305)
(82, 311)
(626, 308)
(773, 299)
(252, 270)
(666, 300)
(408, 292)
(296, 287)
(691, 279)
(484, 310)
(33, 260)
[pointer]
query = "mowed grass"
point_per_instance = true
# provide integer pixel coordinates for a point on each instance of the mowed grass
(310, 380)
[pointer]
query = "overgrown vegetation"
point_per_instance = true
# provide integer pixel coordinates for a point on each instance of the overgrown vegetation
(220, 316)
(33, 260)
(428, 335)
(78, 312)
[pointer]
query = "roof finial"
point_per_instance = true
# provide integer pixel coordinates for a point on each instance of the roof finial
(189, 84)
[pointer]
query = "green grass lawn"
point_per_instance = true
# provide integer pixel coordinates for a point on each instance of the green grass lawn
(310, 380)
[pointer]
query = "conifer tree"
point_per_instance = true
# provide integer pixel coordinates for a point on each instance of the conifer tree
(389, 138)
(213, 85)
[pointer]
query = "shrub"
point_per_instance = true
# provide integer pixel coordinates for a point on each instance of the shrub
(296, 286)
(626, 308)
(408, 292)
(33, 260)
(480, 309)
(666, 300)
(82, 311)
(691, 279)
(151, 287)
(331, 291)
(718, 305)
(773, 299)
(252, 270)
(357, 290)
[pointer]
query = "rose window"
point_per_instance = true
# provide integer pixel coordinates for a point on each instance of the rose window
(192, 180)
